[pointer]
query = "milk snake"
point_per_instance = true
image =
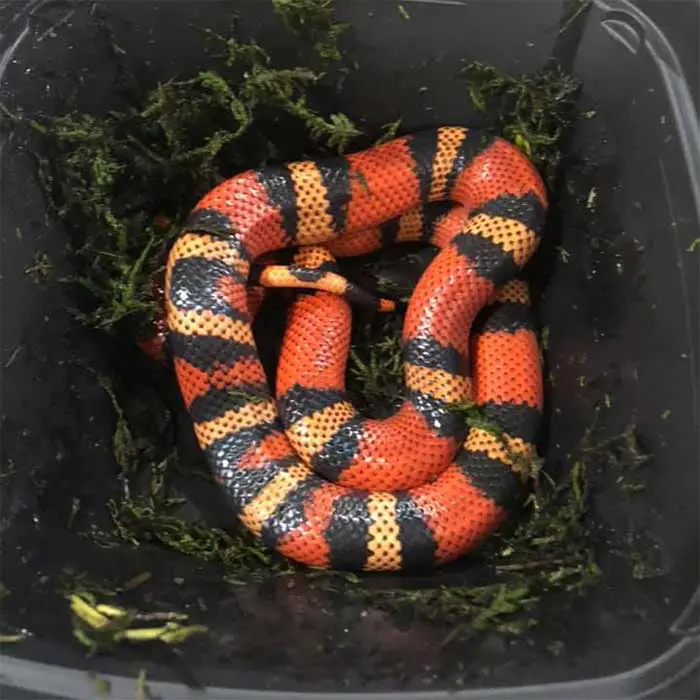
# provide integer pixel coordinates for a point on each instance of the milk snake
(302, 469)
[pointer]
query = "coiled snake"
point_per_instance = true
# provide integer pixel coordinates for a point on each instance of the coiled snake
(303, 470)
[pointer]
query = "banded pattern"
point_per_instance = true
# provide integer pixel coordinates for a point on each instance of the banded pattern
(313, 267)
(303, 470)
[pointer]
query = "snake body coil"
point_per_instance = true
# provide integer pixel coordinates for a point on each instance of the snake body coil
(303, 470)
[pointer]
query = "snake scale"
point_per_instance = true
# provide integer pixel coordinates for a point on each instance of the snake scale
(304, 471)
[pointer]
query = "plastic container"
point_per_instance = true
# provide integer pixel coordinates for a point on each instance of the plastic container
(621, 303)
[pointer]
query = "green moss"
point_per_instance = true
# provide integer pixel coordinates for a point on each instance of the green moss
(142, 521)
(148, 510)
(124, 446)
(375, 366)
(553, 550)
(468, 610)
(622, 453)
(314, 21)
(124, 181)
(534, 111)
(338, 131)
(81, 583)
(390, 131)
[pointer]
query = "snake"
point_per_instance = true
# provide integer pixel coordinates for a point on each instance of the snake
(303, 470)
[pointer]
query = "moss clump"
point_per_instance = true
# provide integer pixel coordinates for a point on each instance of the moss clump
(552, 551)
(141, 521)
(534, 111)
(313, 21)
(124, 181)
(148, 511)
(375, 366)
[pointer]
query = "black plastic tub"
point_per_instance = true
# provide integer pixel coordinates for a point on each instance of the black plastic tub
(619, 297)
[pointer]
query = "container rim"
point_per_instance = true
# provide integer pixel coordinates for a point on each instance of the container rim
(649, 680)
